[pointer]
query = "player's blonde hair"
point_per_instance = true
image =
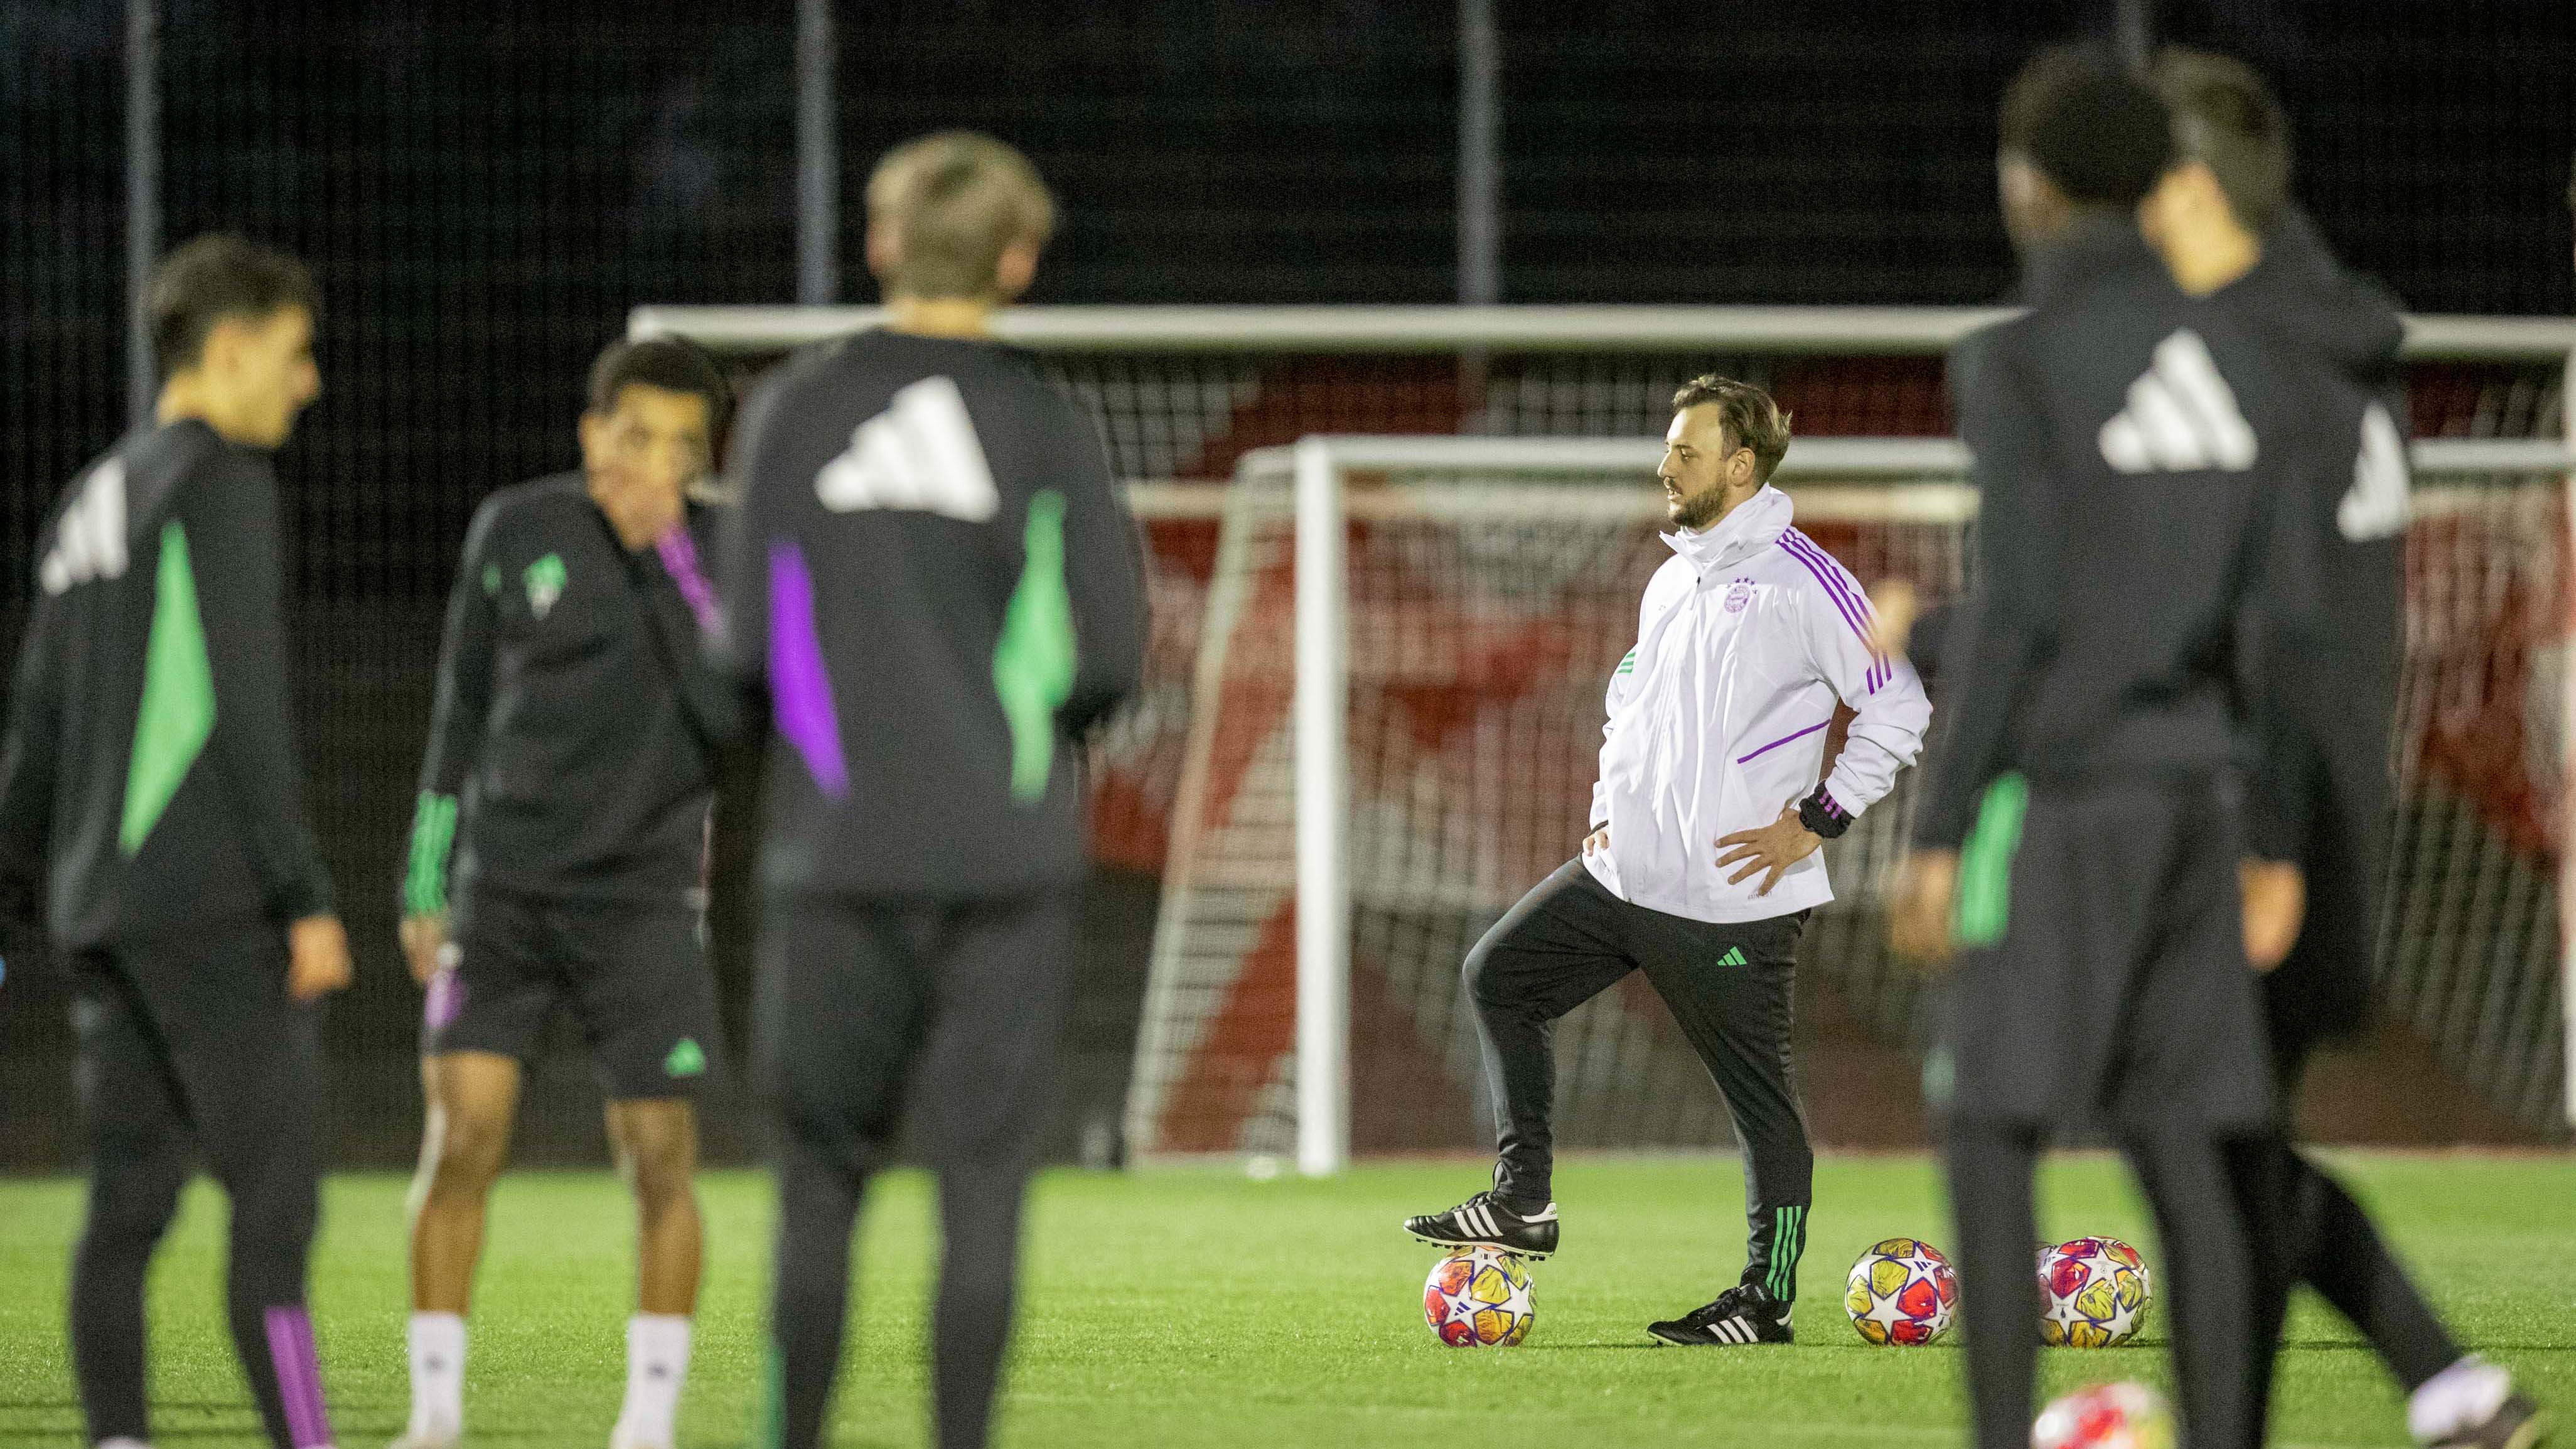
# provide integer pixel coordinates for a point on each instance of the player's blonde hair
(956, 201)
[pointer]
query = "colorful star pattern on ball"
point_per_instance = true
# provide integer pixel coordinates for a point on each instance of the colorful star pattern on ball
(1901, 1293)
(1479, 1297)
(2095, 1293)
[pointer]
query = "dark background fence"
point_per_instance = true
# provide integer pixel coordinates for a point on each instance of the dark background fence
(484, 190)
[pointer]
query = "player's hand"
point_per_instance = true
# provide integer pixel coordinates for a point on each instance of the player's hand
(1897, 606)
(1918, 925)
(1774, 847)
(317, 957)
(424, 937)
(637, 511)
(1597, 842)
(2276, 902)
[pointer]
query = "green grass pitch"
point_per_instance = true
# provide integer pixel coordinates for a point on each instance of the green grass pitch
(1198, 1307)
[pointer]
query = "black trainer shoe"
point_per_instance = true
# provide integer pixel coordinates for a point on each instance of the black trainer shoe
(1480, 1219)
(1741, 1315)
(2517, 1423)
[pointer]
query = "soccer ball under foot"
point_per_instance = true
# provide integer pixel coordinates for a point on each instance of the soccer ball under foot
(1479, 1297)
(1901, 1292)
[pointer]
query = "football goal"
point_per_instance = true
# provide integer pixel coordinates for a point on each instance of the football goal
(1394, 554)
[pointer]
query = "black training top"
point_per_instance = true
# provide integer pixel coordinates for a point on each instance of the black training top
(936, 589)
(2130, 444)
(150, 759)
(2342, 542)
(2332, 632)
(570, 748)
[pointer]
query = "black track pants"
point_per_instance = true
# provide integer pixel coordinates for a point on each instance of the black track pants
(197, 1048)
(2311, 1230)
(952, 1009)
(2206, 1273)
(2327, 790)
(1728, 985)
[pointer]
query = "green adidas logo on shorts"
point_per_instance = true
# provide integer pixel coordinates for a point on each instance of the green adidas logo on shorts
(686, 1060)
(1734, 957)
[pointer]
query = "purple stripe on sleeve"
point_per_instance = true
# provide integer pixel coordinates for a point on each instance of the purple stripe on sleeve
(1784, 739)
(1855, 611)
(299, 1375)
(680, 560)
(799, 684)
(1828, 573)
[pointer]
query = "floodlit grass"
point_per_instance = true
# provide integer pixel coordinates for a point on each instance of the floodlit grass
(1195, 1306)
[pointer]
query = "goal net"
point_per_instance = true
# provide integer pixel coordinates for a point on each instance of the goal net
(1484, 596)
(1486, 602)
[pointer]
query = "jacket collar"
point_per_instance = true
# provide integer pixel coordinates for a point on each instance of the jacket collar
(1756, 524)
(2093, 247)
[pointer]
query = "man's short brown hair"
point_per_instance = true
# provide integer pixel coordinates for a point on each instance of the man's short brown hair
(2224, 116)
(957, 200)
(215, 278)
(1752, 420)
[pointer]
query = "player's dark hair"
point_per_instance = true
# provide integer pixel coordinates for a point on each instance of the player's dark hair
(215, 278)
(1752, 420)
(2224, 116)
(2093, 129)
(666, 363)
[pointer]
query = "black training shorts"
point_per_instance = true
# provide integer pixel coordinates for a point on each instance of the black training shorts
(634, 973)
(2116, 991)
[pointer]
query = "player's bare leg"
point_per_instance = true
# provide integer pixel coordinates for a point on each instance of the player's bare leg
(655, 1143)
(472, 1098)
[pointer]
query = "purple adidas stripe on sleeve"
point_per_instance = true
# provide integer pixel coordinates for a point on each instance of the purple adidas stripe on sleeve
(1829, 574)
(679, 554)
(800, 685)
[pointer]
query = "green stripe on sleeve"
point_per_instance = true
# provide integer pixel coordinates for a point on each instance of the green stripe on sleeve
(1034, 662)
(1985, 862)
(178, 711)
(433, 832)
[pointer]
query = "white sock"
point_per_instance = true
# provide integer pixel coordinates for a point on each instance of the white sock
(437, 1375)
(121, 1442)
(2466, 1394)
(657, 1359)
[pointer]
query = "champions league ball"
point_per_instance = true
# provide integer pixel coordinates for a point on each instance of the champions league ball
(1479, 1297)
(2106, 1416)
(1901, 1292)
(2095, 1293)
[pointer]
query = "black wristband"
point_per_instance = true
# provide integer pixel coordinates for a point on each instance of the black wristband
(1822, 816)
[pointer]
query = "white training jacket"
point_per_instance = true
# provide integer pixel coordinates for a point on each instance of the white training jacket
(1746, 639)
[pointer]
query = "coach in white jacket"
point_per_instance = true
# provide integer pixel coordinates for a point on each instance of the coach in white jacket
(1713, 796)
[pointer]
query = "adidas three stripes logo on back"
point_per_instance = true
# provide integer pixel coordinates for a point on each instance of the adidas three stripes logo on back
(2181, 416)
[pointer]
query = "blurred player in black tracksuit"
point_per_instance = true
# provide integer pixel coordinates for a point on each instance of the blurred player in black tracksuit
(2081, 814)
(935, 593)
(2325, 656)
(149, 790)
(565, 789)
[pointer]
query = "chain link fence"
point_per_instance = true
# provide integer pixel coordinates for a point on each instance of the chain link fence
(484, 190)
